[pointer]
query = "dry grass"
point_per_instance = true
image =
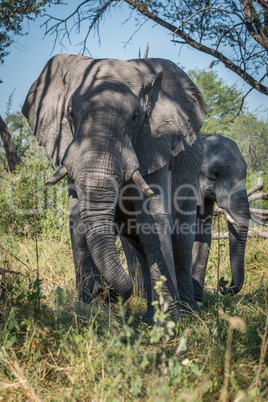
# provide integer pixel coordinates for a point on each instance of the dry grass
(105, 353)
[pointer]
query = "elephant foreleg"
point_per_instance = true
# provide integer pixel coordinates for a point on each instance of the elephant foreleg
(134, 270)
(153, 220)
(88, 280)
(201, 246)
(184, 175)
(136, 260)
(183, 239)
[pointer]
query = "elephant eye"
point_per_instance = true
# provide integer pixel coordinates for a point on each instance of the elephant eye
(215, 175)
(135, 116)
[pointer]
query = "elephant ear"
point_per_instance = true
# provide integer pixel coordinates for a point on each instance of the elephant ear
(175, 114)
(45, 106)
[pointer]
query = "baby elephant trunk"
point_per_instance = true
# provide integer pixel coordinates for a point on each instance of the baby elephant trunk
(239, 210)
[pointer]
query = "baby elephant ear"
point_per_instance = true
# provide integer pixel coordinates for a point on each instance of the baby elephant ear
(45, 105)
(175, 114)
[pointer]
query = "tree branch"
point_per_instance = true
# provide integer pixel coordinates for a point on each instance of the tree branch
(226, 33)
(263, 3)
(23, 263)
(259, 33)
(205, 9)
(259, 186)
(251, 233)
(259, 211)
(142, 8)
(56, 28)
(259, 196)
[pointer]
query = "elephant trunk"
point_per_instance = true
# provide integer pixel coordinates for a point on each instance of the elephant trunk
(97, 208)
(239, 211)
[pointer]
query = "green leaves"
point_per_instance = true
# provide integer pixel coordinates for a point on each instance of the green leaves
(223, 101)
(182, 345)
(23, 314)
(16, 190)
(58, 297)
(251, 135)
(12, 322)
(12, 15)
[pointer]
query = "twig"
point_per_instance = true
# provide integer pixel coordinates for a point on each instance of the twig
(251, 233)
(264, 347)
(61, 26)
(227, 364)
(17, 371)
(259, 211)
(23, 263)
(36, 241)
(217, 211)
(205, 9)
(226, 33)
(134, 33)
(241, 105)
(259, 186)
(2, 288)
(9, 271)
(234, 323)
(146, 51)
(258, 196)
(218, 275)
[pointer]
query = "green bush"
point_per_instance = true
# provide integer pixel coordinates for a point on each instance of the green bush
(24, 191)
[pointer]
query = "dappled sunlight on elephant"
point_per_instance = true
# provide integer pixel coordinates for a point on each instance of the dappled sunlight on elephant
(114, 127)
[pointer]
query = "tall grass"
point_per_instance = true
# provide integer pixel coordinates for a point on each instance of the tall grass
(72, 351)
(55, 348)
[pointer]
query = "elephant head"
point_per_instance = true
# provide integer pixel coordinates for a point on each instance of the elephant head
(107, 122)
(222, 179)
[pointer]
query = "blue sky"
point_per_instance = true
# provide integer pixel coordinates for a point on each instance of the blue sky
(31, 52)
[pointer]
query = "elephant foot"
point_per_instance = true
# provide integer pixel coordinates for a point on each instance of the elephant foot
(198, 298)
(223, 287)
(106, 294)
(87, 290)
(86, 297)
(102, 293)
(188, 306)
(148, 318)
(198, 291)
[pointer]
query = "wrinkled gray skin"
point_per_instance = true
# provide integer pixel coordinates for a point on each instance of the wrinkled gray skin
(104, 121)
(222, 179)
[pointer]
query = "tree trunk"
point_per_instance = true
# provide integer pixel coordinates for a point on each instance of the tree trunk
(12, 158)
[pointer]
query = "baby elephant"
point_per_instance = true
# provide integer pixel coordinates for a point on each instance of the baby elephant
(222, 179)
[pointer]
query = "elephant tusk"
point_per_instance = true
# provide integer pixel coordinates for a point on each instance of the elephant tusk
(57, 176)
(141, 183)
(228, 217)
(254, 219)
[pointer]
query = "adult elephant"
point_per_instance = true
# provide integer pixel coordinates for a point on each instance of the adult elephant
(113, 127)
